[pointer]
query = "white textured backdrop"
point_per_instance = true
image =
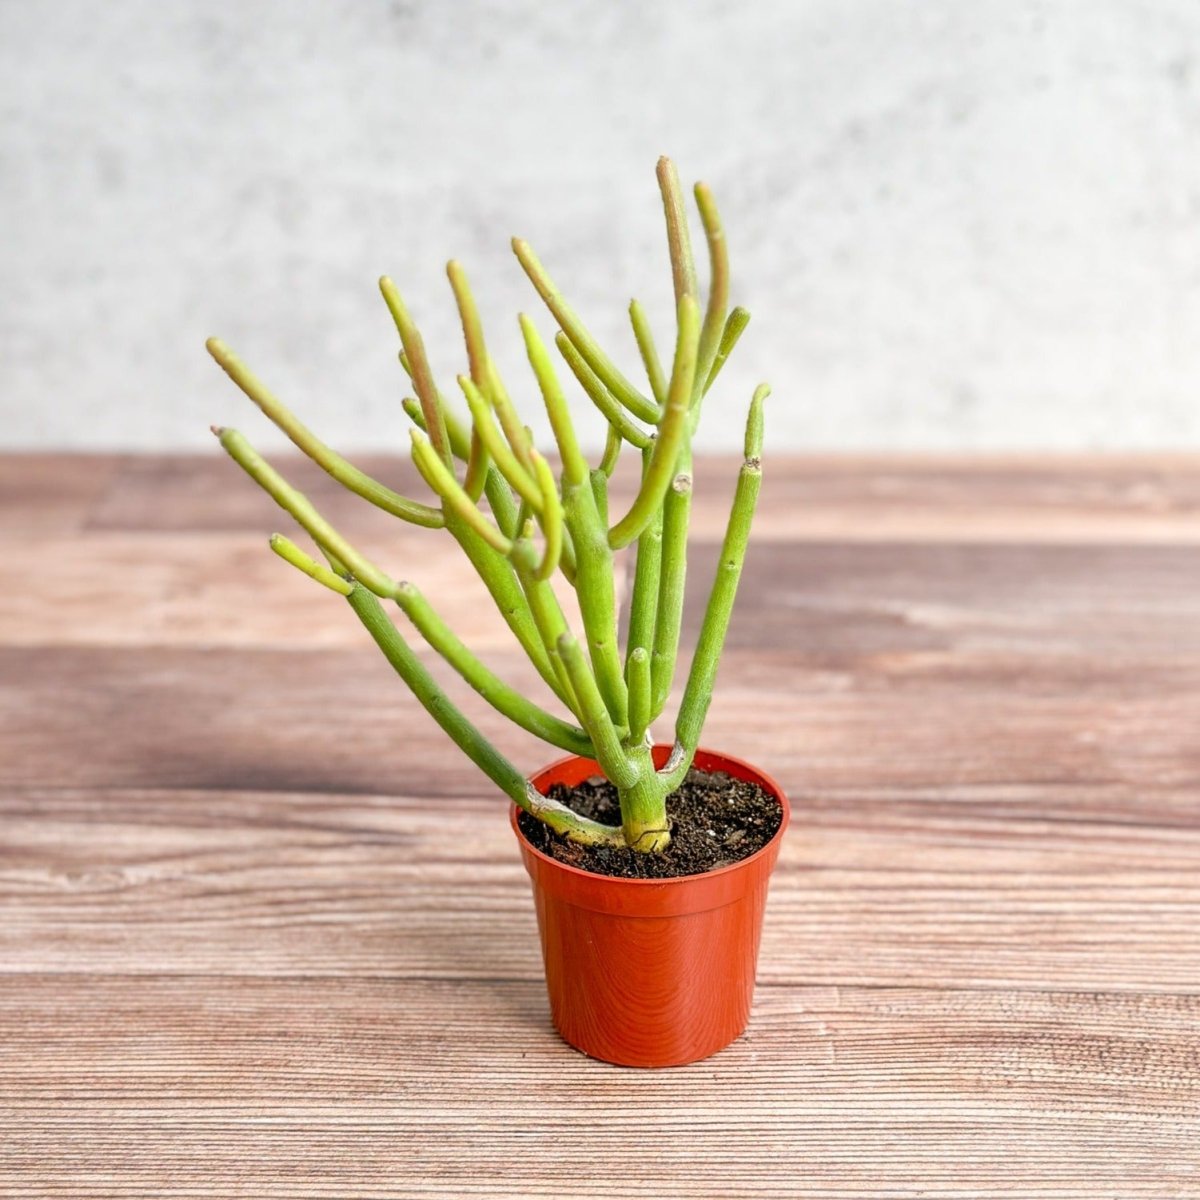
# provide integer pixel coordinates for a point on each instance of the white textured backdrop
(958, 225)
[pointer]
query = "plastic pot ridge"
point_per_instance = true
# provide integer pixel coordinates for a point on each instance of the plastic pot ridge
(651, 972)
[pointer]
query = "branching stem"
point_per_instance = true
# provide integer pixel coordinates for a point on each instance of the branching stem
(613, 698)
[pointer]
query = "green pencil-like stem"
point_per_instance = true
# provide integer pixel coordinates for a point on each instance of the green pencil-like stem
(643, 605)
(502, 503)
(464, 734)
(718, 291)
(547, 614)
(672, 432)
(648, 351)
(574, 465)
(610, 408)
(441, 479)
(611, 456)
(475, 480)
(509, 594)
(294, 501)
(504, 699)
(593, 715)
(596, 592)
(488, 548)
(583, 341)
(518, 435)
(593, 558)
(599, 481)
(348, 475)
(672, 580)
(637, 680)
(679, 242)
(698, 692)
(515, 472)
(551, 519)
(458, 433)
(291, 553)
(472, 326)
(418, 365)
(735, 326)
(495, 487)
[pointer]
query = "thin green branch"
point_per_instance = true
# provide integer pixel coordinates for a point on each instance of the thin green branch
(679, 242)
(672, 582)
(291, 553)
(348, 475)
(637, 680)
(510, 467)
(735, 326)
(508, 593)
(643, 606)
(583, 341)
(718, 291)
(422, 377)
(468, 312)
(519, 437)
(504, 699)
(600, 396)
(551, 519)
(442, 480)
(593, 557)
(524, 520)
(648, 351)
(495, 487)
(594, 717)
(595, 589)
(465, 735)
(574, 465)
(475, 480)
(672, 432)
(295, 502)
(547, 613)
(472, 326)
(698, 693)
(611, 456)
(459, 434)
(599, 481)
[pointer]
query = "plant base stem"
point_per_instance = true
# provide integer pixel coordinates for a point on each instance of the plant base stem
(644, 806)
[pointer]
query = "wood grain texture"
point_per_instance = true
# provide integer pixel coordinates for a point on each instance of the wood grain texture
(263, 934)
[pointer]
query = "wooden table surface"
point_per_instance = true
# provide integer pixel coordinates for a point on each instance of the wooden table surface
(264, 934)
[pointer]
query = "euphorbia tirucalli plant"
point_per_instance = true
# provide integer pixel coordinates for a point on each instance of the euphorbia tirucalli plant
(519, 523)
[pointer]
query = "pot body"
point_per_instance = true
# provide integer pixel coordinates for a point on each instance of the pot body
(651, 972)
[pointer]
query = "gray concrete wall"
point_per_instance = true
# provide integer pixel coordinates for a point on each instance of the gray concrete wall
(959, 225)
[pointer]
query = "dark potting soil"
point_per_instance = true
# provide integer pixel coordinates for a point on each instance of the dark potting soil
(716, 820)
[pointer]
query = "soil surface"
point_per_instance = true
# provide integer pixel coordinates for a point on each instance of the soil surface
(716, 820)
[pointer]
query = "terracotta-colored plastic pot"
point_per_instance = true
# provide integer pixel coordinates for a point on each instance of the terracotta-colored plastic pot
(651, 972)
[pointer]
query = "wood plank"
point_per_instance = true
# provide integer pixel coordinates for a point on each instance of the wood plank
(163, 589)
(1152, 498)
(53, 494)
(829, 603)
(264, 933)
(207, 493)
(1049, 886)
(340, 721)
(951, 664)
(376, 1088)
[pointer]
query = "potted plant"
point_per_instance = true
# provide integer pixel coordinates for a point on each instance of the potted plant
(649, 862)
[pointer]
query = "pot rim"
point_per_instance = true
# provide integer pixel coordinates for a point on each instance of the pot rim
(760, 776)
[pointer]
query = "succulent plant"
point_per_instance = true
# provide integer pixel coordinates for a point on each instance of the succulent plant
(519, 523)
